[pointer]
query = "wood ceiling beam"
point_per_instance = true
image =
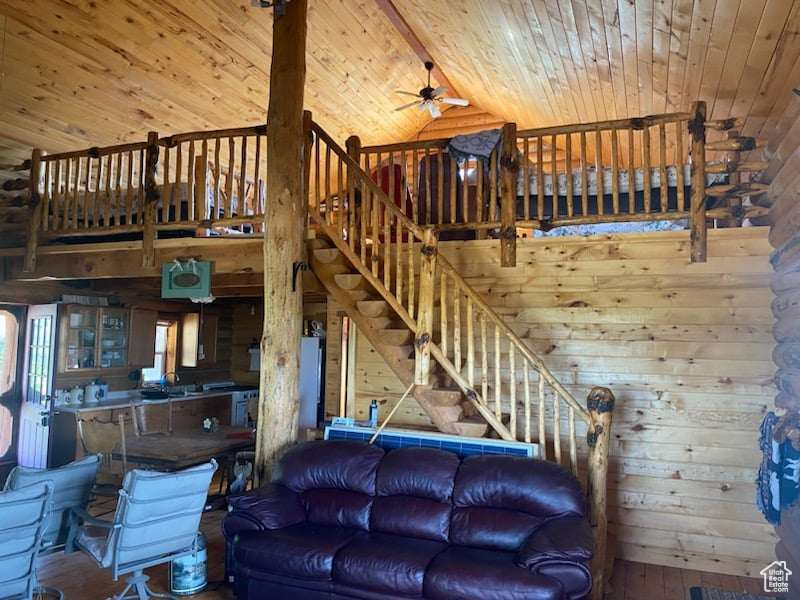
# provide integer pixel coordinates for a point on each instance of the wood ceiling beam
(404, 29)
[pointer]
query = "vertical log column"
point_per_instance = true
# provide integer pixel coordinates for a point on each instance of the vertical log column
(151, 195)
(509, 165)
(427, 284)
(36, 212)
(601, 406)
(699, 234)
(284, 223)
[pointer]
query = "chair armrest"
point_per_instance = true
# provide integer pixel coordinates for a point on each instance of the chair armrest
(270, 507)
(562, 540)
(79, 515)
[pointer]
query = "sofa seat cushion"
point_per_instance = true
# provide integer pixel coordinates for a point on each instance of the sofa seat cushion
(461, 572)
(384, 562)
(305, 551)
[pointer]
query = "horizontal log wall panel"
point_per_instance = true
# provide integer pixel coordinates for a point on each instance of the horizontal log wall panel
(687, 350)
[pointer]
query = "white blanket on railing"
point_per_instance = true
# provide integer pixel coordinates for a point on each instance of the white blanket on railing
(624, 180)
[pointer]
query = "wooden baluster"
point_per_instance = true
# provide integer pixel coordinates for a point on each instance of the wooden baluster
(554, 170)
(140, 191)
(679, 164)
(498, 387)
(573, 447)
(341, 217)
(76, 198)
(129, 192)
(230, 176)
(398, 250)
(480, 204)
(387, 246)
(484, 361)
(258, 208)
(202, 208)
(493, 186)
(329, 214)
(353, 145)
(362, 234)
(86, 204)
(584, 177)
(178, 186)
(568, 173)
(166, 191)
(614, 171)
(598, 167)
(118, 190)
(512, 390)
(217, 175)
(557, 426)
(527, 390)
(542, 428)
(58, 204)
(427, 286)
(98, 177)
(411, 253)
(67, 194)
(453, 187)
(539, 178)
(190, 195)
(457, 328)
(646, 168)
(148, 205)
(443, 313)
(509, 165)
(470, 344)
(439, 188)
(376, 233)
(631, 173)
(242, 180)
(526, 182)
(415, 187)
(662, 166)
(428, 198)
(46, 197)
(199, 184)
(466, 218)
(107, 208)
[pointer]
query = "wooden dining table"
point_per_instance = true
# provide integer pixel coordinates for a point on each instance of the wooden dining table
(181, 449)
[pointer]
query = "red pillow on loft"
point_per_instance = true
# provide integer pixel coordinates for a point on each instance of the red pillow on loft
(400, 188)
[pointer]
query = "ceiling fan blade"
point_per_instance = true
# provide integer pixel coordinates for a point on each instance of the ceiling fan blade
(439, 90)
(434, 110)
(406, 93)
(454, 101)
(423, 105)
(405, 106)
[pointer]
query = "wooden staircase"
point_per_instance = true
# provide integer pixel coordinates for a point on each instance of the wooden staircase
(442, 400)
(465, 366)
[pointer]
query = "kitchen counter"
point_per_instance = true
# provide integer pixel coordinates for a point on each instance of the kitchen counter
(125, 401)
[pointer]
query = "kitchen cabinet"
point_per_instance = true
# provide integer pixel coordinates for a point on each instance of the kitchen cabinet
(93, 338)
(142, 345)
(199, 340)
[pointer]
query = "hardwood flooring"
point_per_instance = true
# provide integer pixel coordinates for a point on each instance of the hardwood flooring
(80, 578)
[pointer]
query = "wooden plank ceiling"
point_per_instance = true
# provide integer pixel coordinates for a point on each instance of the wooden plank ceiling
(79, 72)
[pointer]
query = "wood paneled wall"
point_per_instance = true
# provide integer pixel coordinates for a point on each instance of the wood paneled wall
(686, 348)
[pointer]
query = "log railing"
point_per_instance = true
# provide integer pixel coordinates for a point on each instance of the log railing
(452, 324)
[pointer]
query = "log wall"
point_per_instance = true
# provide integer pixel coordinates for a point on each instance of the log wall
(686, 349)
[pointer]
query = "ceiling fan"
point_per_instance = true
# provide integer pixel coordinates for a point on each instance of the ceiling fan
(429, 97)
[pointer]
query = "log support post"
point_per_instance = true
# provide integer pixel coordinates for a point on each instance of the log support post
(32, 242)
(427, 277)
(698, 235)
(601, 406)
(285, 219)
(151, 195)
(509, 165)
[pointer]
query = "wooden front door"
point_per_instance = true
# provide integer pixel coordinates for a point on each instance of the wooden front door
(37, 389)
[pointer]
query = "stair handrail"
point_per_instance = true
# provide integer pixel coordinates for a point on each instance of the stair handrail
(419, 232)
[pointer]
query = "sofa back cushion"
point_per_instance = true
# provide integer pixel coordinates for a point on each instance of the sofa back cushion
(498, 501)
(414, 493)
(335, 480)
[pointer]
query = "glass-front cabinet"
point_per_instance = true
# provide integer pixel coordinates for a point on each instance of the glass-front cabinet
(94, 338)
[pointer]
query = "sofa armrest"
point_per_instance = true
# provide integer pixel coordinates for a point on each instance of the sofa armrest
(565, 539)
(270, 507)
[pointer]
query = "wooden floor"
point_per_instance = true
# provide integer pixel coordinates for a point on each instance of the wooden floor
(80, 579)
